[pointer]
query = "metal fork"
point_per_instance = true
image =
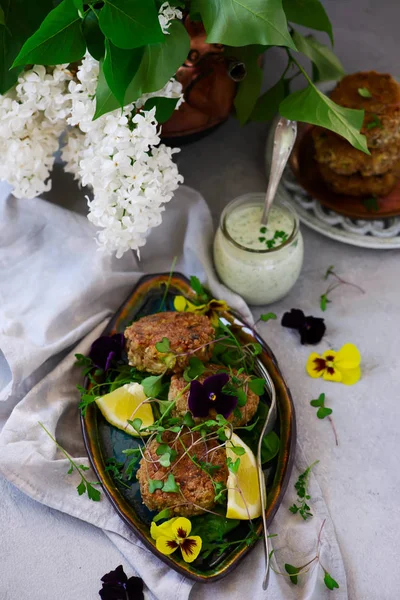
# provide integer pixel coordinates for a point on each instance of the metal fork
(267, 427)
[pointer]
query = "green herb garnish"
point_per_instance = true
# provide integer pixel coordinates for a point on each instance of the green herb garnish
(364, 92)
(303, 496)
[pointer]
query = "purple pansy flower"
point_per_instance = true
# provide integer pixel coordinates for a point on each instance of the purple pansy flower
(117, 586)
(106, 349)
(311, 329)
(209, 395)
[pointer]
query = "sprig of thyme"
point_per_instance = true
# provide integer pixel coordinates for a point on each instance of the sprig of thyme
(84, 485)
(303, 496)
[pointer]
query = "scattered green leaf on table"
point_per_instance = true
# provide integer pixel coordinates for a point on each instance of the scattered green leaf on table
(312, 106)
(330, 583)
(130, 23)
(319, 401)
(244, 22)
(323, 301)
(268, 316)
(292, 572)
(323, 412)
(58, 40)
(327, 65)
(309, 13)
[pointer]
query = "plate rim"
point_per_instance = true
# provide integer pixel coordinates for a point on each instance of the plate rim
(291, 449)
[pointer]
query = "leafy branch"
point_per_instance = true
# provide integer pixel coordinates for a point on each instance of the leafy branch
(302, 494)
(84, 485)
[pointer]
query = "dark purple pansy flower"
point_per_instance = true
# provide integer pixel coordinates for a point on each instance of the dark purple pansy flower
(106, 349)
(311, 329)
(117, 586)
(209, 395)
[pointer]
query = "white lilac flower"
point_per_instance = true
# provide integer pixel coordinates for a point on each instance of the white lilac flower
(166, 14)
(120, 158)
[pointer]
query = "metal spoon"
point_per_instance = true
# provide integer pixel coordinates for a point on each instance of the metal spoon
(284, 139)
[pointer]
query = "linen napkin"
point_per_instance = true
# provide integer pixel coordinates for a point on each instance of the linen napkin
(56, 296)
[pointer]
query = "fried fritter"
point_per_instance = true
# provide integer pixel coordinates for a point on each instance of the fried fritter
(356, 185)
(186, 333)
(178, 384)
(196, 486)
(384, 90)
(337, 154)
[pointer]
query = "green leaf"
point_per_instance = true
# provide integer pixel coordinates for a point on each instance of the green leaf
(165, 460)
(79, 7)
(319, 401)
(238, 450)
(152, 385)
(244, 22)
(270, 446)
(164, 514)
(233, 466)
(93, 493)
(164, 107)
(70, 470)
(329, 271)
(163, 346)
(170, 485)
(136, 424)
(241, 397)
(130, 23)
(309, 13)
(323, 301)
(93, 35)
(323, 412)
(21, 19)
(249, 89)
(159, 63)
(196, 285)
(268, 316)
(326, 63)
(330, 582)
(257, 386)
(83, 468)
(119, 68)
(371, 204)
(188, 420)
(154, 484)
(195, 369)
(267, 106)
(81, 488)
(105, 99)
(364, 92)
(292, 571)
(58, 40)
(375, 122)
(312, 106)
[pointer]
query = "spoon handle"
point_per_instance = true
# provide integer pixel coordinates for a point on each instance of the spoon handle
(284, 138)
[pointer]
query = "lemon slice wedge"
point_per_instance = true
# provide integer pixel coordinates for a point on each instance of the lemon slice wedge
(244, 501)
(126, 403)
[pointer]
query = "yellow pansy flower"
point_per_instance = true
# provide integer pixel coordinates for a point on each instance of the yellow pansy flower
(174, 534)
(342, 366)
(211, 309)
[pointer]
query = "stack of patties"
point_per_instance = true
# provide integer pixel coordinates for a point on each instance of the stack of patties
(350, 171)
(189, 335)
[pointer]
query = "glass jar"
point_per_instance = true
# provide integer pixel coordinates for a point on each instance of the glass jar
(244, 262)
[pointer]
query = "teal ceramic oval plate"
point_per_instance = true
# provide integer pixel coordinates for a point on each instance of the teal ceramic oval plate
(103, 441)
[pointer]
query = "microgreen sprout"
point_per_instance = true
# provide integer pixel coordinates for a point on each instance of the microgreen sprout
(324, 299)
(303, 496)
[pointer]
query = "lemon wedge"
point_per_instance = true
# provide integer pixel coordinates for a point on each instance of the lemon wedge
(246, 503)
(126, 403)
